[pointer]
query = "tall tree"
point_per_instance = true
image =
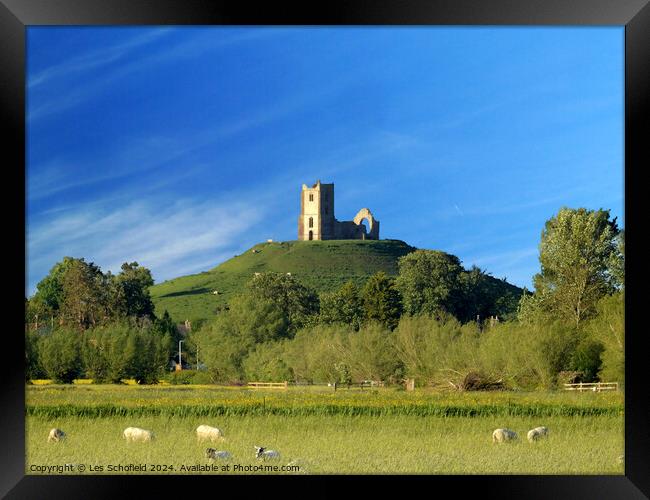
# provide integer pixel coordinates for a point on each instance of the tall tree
(130, 291)
(429, 281)
(49, 291)
(296, 301)
(60, 355)
(381, 300)
(342, 306)
(84, 294)
(577, 250)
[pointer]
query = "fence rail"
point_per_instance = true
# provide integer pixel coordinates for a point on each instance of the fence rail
(592, 386)
(268, 385)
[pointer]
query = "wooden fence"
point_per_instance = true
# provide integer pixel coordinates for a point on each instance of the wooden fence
(268, 385)
(358, 385)
(592, 386)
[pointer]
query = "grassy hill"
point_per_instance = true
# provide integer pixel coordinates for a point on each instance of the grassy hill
(321, 265)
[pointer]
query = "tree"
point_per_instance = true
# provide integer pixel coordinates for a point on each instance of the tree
(343, 306)
(373, 355)
(608, 327)
(296, 301)
(381, 300)
(166, 326)
(429, 281)
(578, 259)
(617, 261)
(130, 291)
(60, 355)
(33, 369)
(84, 294)
(49, 292)
(234, 333)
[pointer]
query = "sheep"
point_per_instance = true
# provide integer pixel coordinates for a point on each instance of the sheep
(213, 454)
(264, 454)
(132, 434)
(536, 433)
(503, 435)
(205, 432)
(55, 436)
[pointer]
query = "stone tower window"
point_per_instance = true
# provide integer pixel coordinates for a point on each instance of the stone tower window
(311, 222)
(311, 197)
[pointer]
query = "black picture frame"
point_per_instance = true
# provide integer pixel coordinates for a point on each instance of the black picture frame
(634, 15)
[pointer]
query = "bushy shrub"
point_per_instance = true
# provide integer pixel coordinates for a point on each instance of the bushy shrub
(60, 355)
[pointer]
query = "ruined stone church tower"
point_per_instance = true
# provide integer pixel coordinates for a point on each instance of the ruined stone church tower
(317, 222)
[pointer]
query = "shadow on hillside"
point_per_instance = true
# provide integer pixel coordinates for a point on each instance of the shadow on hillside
(196, 291)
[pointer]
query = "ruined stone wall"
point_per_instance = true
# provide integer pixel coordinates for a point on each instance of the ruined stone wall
(317, 222)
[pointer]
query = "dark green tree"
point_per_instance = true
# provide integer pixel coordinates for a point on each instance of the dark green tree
(33, 368)
(130, 291)
(429, 282)
(296, 301)
(49, 292)
(342, 306)
(84, 294)
(381, 300)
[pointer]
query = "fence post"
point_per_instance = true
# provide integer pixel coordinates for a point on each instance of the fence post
(286, 384)
(334, 386)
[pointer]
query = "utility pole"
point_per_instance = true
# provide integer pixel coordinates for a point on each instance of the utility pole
(180, 362)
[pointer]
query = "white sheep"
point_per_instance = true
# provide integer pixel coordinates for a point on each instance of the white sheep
(132, 434)
(536, 433)
(213, 454)
(205, 432)
(264, 454)
(503, 435)
(55, 436)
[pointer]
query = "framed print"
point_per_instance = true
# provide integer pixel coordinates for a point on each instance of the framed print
(371, 243)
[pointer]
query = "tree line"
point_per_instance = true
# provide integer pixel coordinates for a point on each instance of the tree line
(435, 321)
(82, 322)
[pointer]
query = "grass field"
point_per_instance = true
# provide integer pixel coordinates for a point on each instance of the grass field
(321, 265)
(349, 432)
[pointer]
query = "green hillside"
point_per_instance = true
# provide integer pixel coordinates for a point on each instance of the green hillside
(321, 265)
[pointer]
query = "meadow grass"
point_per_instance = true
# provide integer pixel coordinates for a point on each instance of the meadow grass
(377, 431)
(122, 400)
(340, 444)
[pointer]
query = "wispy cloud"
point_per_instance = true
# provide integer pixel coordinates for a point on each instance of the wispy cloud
(95, 58)
(81, 90)
(157, 234)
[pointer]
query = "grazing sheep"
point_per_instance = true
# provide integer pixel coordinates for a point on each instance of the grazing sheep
(55, 436)
(213, 454)
(536, 433)
(205, 432)
(132, 434)
(503, 435)
(264, 454)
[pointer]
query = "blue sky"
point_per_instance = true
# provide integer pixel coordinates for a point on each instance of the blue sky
(179, 147)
